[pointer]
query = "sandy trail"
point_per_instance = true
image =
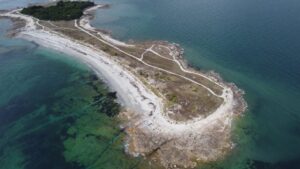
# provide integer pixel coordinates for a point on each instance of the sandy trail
(154, 67)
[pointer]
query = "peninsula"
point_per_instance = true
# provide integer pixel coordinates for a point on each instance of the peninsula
(174, 115)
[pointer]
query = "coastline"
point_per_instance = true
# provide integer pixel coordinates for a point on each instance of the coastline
(141, 101)
(85, 23)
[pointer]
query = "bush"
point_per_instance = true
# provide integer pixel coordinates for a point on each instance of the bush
(63, 10)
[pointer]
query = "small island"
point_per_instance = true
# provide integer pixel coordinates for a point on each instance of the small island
(174, 115)
(63, 10)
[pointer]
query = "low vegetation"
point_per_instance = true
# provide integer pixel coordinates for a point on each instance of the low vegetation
(186, 100)
(63, 10)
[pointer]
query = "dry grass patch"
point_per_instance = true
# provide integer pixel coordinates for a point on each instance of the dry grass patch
(185, 100)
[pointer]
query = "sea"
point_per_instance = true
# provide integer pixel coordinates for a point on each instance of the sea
(56, 114)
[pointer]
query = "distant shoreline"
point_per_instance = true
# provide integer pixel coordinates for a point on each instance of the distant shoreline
(145, 118)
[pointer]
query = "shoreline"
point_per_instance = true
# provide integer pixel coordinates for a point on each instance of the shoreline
(142, 101)
(85, 23)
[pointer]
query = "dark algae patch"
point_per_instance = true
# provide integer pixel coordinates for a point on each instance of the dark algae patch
(61, 117)
(63, 10)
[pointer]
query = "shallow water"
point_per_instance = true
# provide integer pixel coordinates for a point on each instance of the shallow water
(9, 4)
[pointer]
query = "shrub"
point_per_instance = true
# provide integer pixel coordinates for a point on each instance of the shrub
(63, 10)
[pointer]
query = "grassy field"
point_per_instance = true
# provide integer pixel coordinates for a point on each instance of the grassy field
(184, 99)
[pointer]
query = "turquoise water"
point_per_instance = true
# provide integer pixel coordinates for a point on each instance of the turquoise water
(51, 107)
(254, 44)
